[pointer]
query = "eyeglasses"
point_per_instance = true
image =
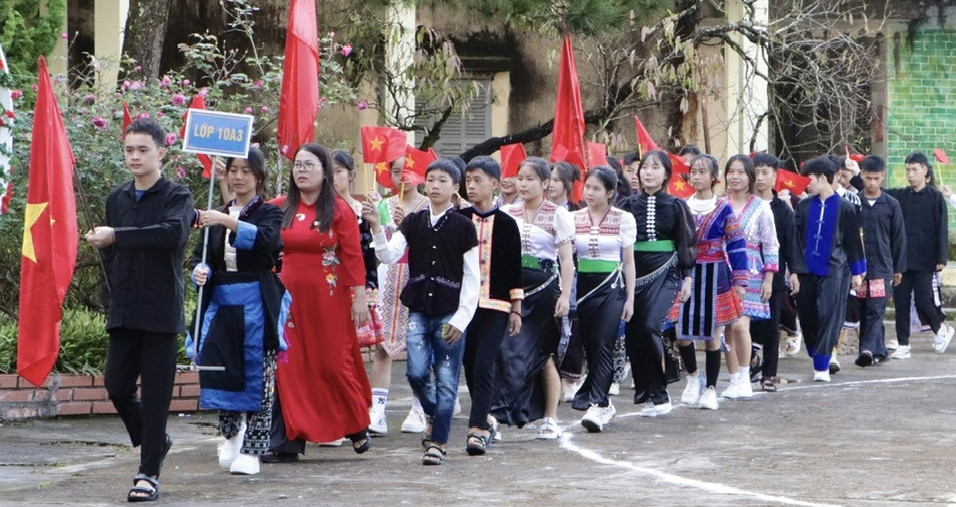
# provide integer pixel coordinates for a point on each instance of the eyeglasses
(305, 167)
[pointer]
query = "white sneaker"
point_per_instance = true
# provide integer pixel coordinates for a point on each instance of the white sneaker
(228, 450)
(708, 399)
(592, 419)
(614, 390)
(379, 424)
(414, 422)
(652, 410)
(245, 464)
(731, 391)
(821, 376)
(744, 388)
(569, 389)
(943, 337)
(901, 352)
(691, 394)
(892, 344)
(495, 429)
(793, 345)
(549, 429)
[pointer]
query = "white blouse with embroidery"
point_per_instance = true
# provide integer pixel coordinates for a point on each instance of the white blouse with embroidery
(604, 240)
(550, 227)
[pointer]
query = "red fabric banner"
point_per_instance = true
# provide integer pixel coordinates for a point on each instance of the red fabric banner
(569, 124)
(512, 155)
(50, 238)
(299, 99)
(789, 180)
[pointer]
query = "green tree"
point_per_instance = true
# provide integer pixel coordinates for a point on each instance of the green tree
(27, 32)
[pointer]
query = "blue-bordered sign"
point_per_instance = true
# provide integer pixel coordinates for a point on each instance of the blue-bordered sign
(215, 133)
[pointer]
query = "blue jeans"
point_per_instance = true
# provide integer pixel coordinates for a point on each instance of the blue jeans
(426, 348)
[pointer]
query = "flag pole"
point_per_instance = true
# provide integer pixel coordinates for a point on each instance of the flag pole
(81, 193)
(205, 250)
(279, 176)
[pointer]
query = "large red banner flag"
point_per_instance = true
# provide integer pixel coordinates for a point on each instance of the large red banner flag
(50, 238)
(299, 100)
(569, 116)
(597, 154)
(198, 102)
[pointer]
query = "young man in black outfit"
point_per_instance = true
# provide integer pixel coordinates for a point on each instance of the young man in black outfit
(142, 244)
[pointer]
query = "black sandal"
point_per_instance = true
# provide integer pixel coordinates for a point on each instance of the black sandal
(476, 444)
(427, 435)
(768, 386)
(144, 493)
(361, 442)
(434, 455)
(279, 457)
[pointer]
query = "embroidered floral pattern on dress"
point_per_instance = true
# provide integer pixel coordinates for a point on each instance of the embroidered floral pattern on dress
(330, 261)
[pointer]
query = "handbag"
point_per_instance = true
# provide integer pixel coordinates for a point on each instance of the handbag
(371, 333)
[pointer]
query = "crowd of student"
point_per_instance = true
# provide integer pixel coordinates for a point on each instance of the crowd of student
(535, 297)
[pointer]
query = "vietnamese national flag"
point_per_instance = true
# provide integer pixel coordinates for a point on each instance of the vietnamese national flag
(299, 100)
(597, 154)
(198, 102)
(50, 238)
(512, 155)
(381, 146)
(569, 117)
(679, 187)
(789, 180)
(128, 118)
(416, 161)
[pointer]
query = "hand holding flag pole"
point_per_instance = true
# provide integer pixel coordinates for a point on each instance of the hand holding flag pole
(198, 323)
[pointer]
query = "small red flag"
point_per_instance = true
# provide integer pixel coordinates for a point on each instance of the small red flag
(678, 165)
(299, 100)
(50, 237)
(678, 187)
(382, 144)
(645, 142)
(941, 156)
(198, 102)
(512, 155)
(789, 180)
(854, 156)
(127, 119)
(597, 154)
(569, 124)
(416, 161)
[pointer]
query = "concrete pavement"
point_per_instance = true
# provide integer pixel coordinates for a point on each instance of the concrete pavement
(883, 435)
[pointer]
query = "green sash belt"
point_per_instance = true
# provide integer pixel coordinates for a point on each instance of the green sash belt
(531, 262)
(596, 266)
(661, 245)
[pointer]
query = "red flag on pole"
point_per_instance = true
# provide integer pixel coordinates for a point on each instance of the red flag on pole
(854, 156)
(789, 180)
(512, 155)
(380, 146)
(416, 161)
(50, 238)
(198, 102)
(299, 101)
(127, 119)
(941, 155)
(645, 142)
(569, 116)
(679, 187)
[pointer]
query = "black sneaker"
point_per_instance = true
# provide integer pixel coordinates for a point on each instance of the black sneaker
(864, 359)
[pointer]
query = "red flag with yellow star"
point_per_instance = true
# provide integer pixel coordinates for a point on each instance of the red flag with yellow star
(380, 146)
(679, 187)
(789, 180)
(416, 161)
(50, 238)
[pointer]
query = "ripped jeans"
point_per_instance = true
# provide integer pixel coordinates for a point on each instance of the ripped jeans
(428, 352)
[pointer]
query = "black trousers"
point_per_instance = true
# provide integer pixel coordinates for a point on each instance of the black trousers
(920, 284)
(872, 330)
(821, 304)
(278, 441)
(482, 346)
(152, 358)
(599, 319)
(766, 332)
(644, 339)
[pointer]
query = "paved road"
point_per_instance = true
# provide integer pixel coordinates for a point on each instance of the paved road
(875, 436)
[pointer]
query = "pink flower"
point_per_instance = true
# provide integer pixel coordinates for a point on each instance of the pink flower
(160, 114)
(35, 87)
(323, 101)
(181, 172)
(331, 34)
(136, 85)
(89, 98)
(138, 68)
(362, 105)
(179, 99)
(64, 36)
(257, 83)
(142, 115)
(99, 122)
(248, 110)
(265, 109)
(16, 94)
(171, 139)
(126, 84)
(285, 149)
(165, 82)
(346, 50)
(95, 63)
(186, 82)
(203, 92)
(10, 114)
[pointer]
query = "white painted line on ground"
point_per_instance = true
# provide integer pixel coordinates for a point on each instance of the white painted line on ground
(812, 385)
(709, 487)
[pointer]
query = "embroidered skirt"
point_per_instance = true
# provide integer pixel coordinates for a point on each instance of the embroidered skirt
(712, 303)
